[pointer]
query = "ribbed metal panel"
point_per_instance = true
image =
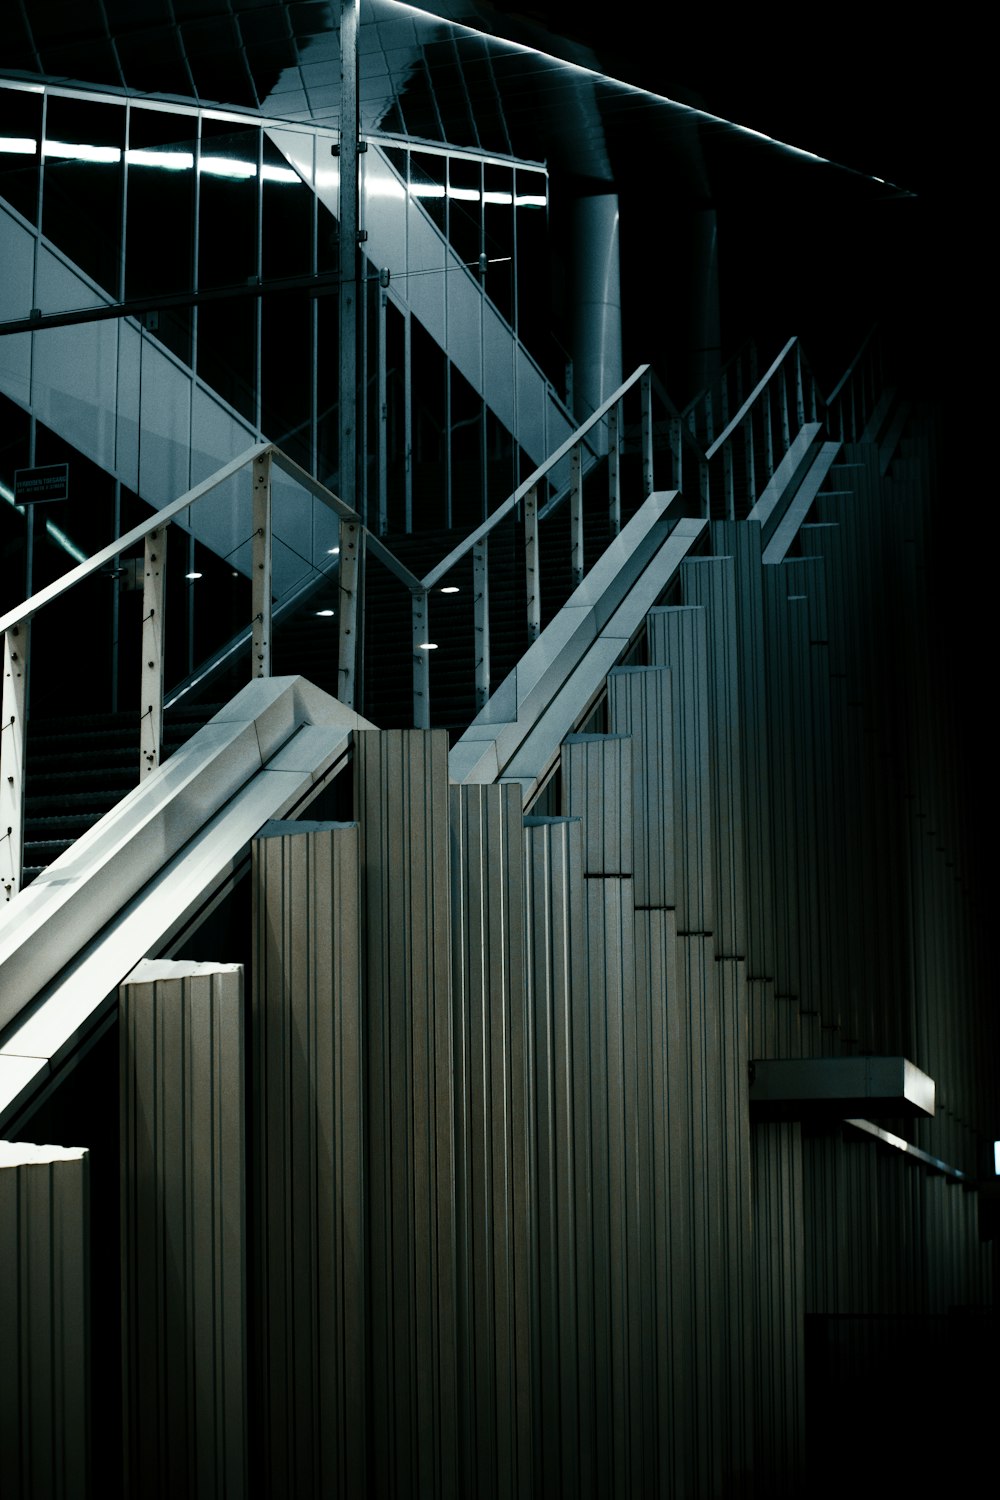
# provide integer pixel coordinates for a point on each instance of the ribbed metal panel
(308, 1286)
(183, 1210)
(711, 584)
(493, 1142)
(678, 638)
(788, 640)
(640, 706)
(597, 787)
(622, 1355)
(742, 542)
(664, 1202)
(565, 1401)
(401, 803)
(779, 1384)
(45, 1376)
(737, 1210)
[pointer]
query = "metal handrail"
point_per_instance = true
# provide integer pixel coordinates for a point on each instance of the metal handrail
(741, 415)
(849, 372)
(796, 394)
(67, 581)
(534, 478)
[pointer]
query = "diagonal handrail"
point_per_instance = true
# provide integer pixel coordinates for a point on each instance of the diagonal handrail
(737, 421)
(533, 480)
(29, 607)
(764, 440)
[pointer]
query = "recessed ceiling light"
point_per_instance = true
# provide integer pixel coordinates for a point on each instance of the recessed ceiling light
(428, 646)
(450, 588)
(332, 551)
(324, 613)
(192, 575)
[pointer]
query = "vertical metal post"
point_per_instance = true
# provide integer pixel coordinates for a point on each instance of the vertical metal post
(751, 467)
(352, 543)
(709, 421)
(383, 446)
(481, 618)
(531, 560)
(646, 390)
(677, 453)
(728, 479)
(349, 282)
(13, 731)
(576, 515)
(768, 435)
(800, 406)
(614, 469)
(151, 692)
(421, 662)
(783, 389)
(261, 574)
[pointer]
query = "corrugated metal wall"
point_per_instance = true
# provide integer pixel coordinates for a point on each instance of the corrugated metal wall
(45, 1388)
(184, 1229)
(513, 1232)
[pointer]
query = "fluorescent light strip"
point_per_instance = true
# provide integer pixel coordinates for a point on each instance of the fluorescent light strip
(167, 161)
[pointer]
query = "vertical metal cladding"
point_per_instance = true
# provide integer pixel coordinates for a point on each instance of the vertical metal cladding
(640, 706)
(565, 1374)
(678, 638)
(495, 1223)
(779, 1309)
(742, 542)
(44, 1322)
(184, 1230)
(597, 788)
(308, 1287)
(711, 584)
(401, 803)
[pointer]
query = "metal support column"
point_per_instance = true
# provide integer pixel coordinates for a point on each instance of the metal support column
(261, 575)
(13, 732)
(349, 281)
(151, 689)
